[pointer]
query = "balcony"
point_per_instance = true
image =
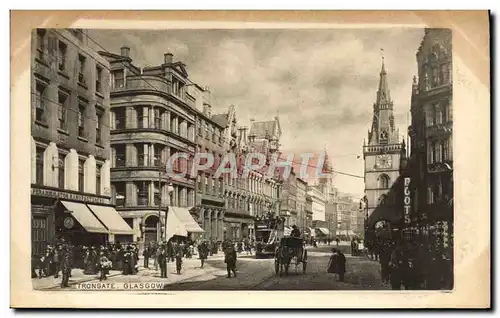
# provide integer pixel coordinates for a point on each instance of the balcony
(444, 129)
(439, 167)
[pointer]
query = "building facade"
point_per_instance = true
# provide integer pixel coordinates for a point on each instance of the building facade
(153, 117)
(210, 139)
(289, 200)
(70, 151)
(303, 217)
(318, 210)
(382, 155)
(431, 133)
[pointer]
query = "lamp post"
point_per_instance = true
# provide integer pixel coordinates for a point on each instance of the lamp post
(170, 189)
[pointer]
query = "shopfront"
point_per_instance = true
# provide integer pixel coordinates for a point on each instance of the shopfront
(77, 218)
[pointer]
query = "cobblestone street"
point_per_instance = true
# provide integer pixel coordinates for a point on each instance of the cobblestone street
(252, 274)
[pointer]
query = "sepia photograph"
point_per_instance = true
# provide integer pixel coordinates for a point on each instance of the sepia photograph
(242, 159)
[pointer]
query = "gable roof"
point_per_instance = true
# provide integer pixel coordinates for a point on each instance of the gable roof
(262, 128)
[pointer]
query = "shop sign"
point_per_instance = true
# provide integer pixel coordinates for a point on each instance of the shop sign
(69, 222)
(68, 196)
(407, 200)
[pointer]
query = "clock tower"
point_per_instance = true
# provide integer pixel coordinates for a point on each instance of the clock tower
(382, 154)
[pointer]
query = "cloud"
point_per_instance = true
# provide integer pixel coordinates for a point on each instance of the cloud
(322, 82)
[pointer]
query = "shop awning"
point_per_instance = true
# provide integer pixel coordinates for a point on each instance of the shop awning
(174, 226)
(185, 217)
(112, 219)
(85, 217)
(323, 230)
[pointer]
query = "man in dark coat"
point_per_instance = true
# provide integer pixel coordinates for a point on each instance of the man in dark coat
(203, 252)
(162, 261)
(230, 259)
(146, 254)
(66, 269)
(295, 231)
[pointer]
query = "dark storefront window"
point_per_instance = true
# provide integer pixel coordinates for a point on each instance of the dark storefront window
(39, 165)
(39, 234)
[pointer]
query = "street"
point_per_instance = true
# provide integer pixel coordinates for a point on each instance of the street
(257, 274)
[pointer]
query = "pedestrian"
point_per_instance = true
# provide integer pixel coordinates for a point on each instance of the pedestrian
(104, 266)
(66, 270)
(230, 259)
(332, 263)
(162, 261)
(203, 252)
(146, 254)
(178, 258)
(341, 261)
(395, 268)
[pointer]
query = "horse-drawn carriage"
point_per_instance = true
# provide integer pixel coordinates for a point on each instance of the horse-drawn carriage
(290, 250)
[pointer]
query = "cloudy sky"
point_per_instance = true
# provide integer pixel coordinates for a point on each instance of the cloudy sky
(322, 82)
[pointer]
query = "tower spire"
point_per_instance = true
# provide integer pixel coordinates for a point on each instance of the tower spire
(383, 94)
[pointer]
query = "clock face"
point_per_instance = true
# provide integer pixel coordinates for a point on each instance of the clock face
(69, 222)
(384, 161)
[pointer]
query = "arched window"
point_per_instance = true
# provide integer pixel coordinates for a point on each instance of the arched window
(383, 181)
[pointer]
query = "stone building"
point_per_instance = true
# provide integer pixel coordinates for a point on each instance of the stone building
(431, 132)
(153, 118)
(70, 151)
(382, 155)
(304, 219)
(318, 209)
(210, 139)
(289, 200)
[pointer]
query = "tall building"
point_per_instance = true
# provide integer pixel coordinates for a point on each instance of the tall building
(289, 200)
(382, 155)
(210, 139)
(302, 215)
(153, 117)
(431, 133)
(70, 151)
(318, 209)
(327, 187)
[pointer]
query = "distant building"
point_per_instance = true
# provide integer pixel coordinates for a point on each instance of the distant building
(318, 207)
(70, 151)
(304, 219)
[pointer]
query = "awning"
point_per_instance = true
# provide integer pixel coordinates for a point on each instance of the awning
(323, 230)
(174, 226)
(112, 219)
(185, 217)
(85, 217)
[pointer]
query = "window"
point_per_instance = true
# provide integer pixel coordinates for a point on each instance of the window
(98, 129)
(120, 193)
(445, 73)
(158, 150)
(40, 103)
(60, 167)
(141, 156)
(157, 194)
(98, 179)
(119, 155)
(81, 180)
(81, 119)
(383, 181)
(39, 165)
(119, 118)
(157, 118)
(206, 189)
(62, 110)
(173, 121)
(430, 152)
(429, 118)
(142, 117)
(40, 43)
(435, 76)
(98, 79)
(439, 115)
(198, 124)
(81, 69)
(142, 193)
(446, 150)
(119, 79)
(437, 151)
(199, 185)
(62, 56)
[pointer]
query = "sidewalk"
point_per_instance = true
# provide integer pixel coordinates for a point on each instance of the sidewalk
(77, 276)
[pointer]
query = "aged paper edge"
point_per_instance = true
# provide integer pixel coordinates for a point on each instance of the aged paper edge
(471, 137)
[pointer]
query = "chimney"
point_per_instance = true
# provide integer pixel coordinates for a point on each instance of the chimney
(125, 51)
(168, 58)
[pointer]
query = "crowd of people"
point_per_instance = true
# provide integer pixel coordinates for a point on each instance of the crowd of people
(411, 265)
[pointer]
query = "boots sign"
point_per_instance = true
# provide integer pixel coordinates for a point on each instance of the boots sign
(407, 199)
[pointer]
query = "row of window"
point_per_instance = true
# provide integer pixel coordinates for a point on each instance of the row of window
(437, 75)
(60, 50)
(42, 111)
(439, 151)
(59, 165)
(438, 114)
(153, 117)
(148, 193)
(210, 132)
(209, 185)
